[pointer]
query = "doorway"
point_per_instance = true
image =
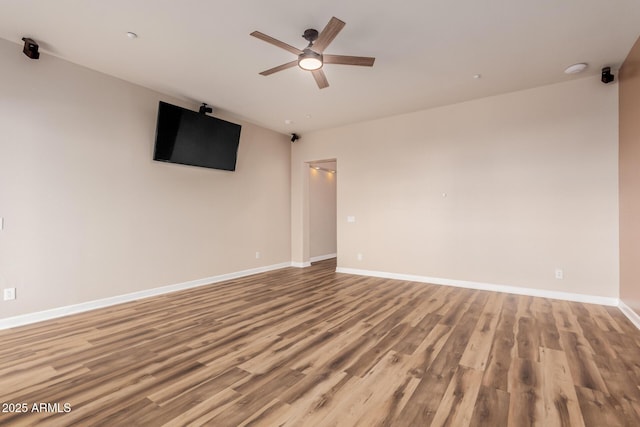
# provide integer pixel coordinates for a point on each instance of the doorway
(323, 177)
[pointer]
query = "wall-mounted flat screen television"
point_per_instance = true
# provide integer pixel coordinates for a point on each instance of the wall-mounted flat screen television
(191, 138)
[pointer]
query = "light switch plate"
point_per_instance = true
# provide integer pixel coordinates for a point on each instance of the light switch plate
(9, 294)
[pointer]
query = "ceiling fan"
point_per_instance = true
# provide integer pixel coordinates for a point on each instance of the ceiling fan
(312, 58)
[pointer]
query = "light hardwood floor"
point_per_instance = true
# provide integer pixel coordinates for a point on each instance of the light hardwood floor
(310, 347)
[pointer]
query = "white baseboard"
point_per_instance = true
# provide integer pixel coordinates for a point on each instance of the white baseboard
(591, 299)
(322, 257)
(300, 264)
(25, 319)
(631, 315)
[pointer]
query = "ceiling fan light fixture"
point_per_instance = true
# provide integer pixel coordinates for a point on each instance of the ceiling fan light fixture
(310, 60)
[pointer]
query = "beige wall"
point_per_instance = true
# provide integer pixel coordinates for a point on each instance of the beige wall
(89, 215)
(322, 213)
(530, 180)
(630, 179)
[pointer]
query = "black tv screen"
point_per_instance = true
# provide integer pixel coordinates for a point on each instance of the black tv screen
(190, 138)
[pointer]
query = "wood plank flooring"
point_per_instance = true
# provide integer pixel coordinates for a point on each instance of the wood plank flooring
(310, 347)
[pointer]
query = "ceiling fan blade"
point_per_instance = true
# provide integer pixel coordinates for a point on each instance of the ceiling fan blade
(279, 68)
(321, 79)
(328, 34)
(276, 42)
(364, 61)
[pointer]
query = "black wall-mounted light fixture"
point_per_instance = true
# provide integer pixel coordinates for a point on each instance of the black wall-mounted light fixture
(294, 137)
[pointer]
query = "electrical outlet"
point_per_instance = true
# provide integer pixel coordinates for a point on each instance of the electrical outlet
(1, 223)
(257, 255)
(9, 294)
(360, 257)
(559, 274)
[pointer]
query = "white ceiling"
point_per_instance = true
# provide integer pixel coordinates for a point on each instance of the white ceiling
(427, 51)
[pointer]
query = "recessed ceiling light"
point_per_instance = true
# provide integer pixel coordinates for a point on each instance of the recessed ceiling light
(477, 76)
(132, 35)
(575, 68)
(288, 122)
(308, 116)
